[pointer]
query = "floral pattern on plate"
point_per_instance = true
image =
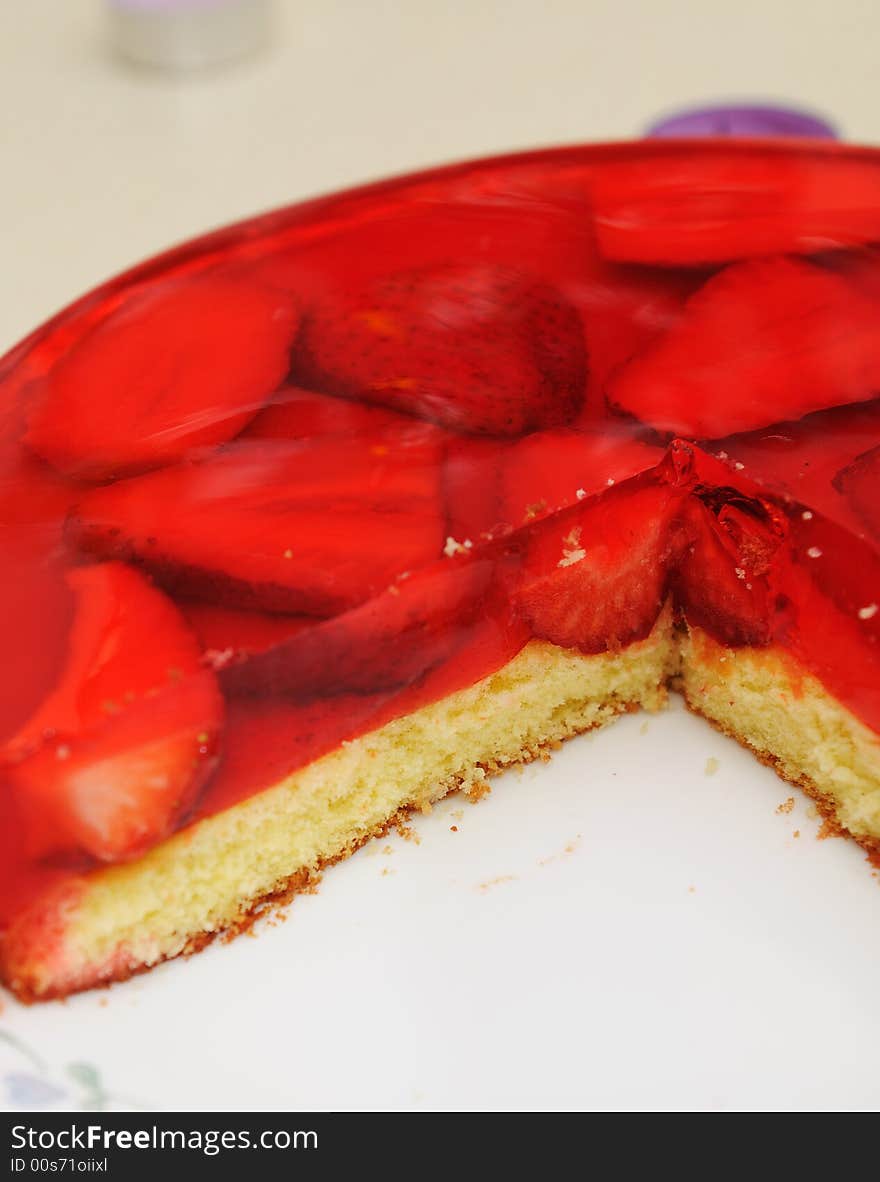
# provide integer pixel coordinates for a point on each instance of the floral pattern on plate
(29, 1083)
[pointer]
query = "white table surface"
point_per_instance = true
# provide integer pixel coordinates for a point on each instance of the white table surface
(617, 930)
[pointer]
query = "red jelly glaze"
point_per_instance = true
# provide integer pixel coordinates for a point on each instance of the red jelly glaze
(456, 374)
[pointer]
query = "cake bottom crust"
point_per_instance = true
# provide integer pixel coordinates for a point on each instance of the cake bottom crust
(217, 876)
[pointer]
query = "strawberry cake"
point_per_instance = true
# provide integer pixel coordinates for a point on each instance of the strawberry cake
(316, 519)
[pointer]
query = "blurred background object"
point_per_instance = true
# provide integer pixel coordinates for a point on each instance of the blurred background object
(744, 119)
(104, 164)
(189, 34)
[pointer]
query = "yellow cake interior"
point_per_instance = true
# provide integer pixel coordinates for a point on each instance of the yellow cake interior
(212, 876)
(765, 700)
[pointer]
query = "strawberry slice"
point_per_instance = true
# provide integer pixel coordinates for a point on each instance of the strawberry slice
(492, 486)
(623, 310)
(116, 753)
(228, 635)
(805, 461)
(386, 643)
(295, 413)
(761, 342)
(177, 365)
(304, 527)
(829, 614)
(480, 348)
(471, 486)
(595, 576)
(498, 220)
(686, 207)
(859, 482)
(35, 613)
(551, 469)
(721, 580)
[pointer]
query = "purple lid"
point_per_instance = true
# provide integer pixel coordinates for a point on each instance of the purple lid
(744, 120)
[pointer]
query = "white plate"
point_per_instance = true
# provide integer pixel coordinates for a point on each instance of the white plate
(628, 927)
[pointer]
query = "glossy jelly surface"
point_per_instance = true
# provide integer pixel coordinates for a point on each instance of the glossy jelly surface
(300, 477)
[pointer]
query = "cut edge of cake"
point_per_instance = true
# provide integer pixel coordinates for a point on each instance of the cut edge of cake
(219, 874)
(223, 872)
(766, 700)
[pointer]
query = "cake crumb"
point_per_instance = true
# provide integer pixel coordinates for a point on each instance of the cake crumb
(453, 829)
(813, 812)
(814, 552)
(806, 515)
(569, 848)
(386, 870)
(786, 806)
(387, 849)
(692, 890)
(487, 886)
(217, 658)
(477, 791)
(712, 766)
(868, 613)
(796, 833)
(580, 493)
(572, 550)
(453, 547)
(407, 832)
(828, 828)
